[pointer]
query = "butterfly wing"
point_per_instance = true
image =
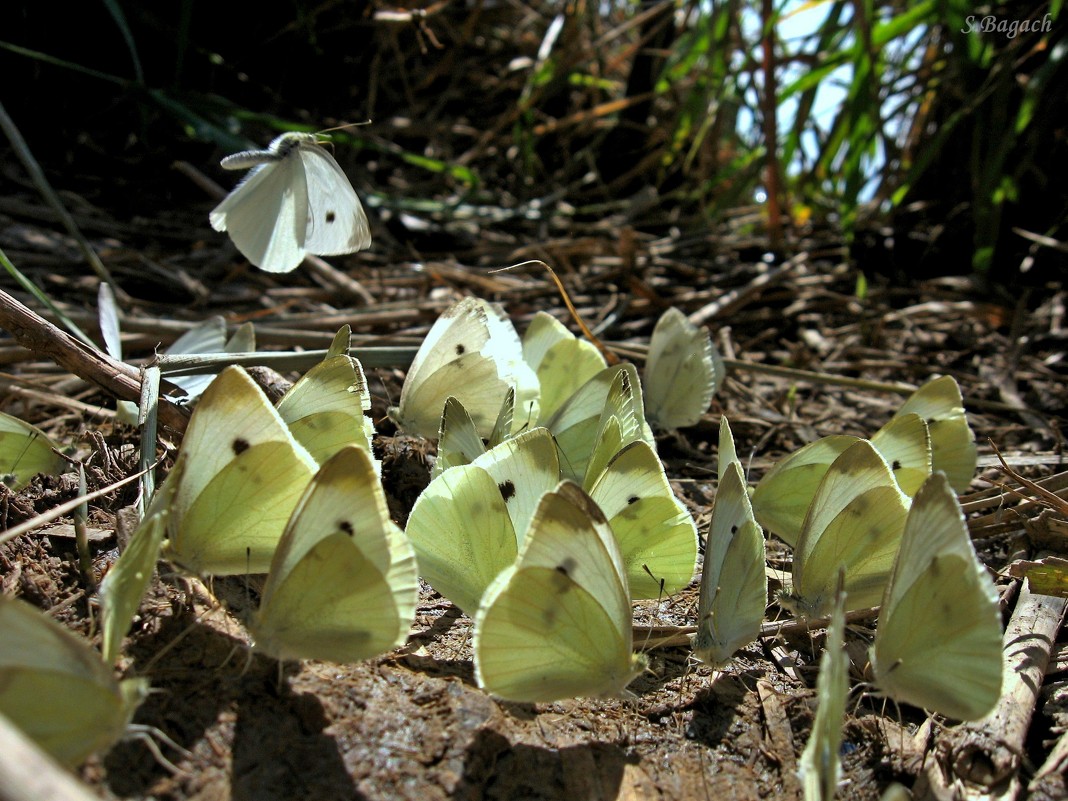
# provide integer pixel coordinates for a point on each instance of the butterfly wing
(326, 409)
(953, 451)
(56, 689)
(617, 427)
(458, 439)
(854, 524)
(336, 222)
(656, 535)
(343, 584)
(25, 451)
(562, 361)
(472, 353)
(244, 476)
(734, 584)
(125, 584)
(462, 534)
(576, 423)
(524, 468)
(906, 445)
(782, 497)
(726, 452)
(938, 641)
(820, 764)
(266, 215)
(682, 373)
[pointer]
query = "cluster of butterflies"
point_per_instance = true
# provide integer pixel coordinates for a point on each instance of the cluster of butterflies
(938, 643)
(292, 490)
(547, 514)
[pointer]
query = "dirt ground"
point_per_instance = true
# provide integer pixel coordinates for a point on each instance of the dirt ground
(412, 724)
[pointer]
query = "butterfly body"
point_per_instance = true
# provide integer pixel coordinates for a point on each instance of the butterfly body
(296, 200)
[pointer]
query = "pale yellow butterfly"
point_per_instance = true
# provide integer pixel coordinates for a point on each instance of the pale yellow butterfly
(854, 526)
(472, 353)
(562, 361)
(682, 373)
(557, 623)
(467, 525)
(57, 689)
(343, 583)
(938, 640)
(734, 582)
(243, 476)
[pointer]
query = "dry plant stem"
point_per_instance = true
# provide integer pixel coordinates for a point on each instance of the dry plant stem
(742, 296)
(649, 637)
(118, 379)
(1056, 762)
(333, 279)
(1054, 501)
(62, 509)
(197, 363)
(28, 774)
(845, 381)
(987, 753)
(609, 357)
(58, 401)
(148, 419)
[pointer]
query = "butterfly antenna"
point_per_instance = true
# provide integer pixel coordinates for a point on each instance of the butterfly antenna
(659, 598)
(248, 568)
(609, 356)
(343, 127)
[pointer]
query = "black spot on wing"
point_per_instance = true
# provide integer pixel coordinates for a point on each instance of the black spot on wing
(896, 465)
(633, 499)
(239, 446)
(460, 349)
(507, 489)
(346, 526)
(562, 581)
(331, 216)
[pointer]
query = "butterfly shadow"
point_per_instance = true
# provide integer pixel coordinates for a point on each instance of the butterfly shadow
(495, 768)
(443, 649)
(718, 705)
(207, 685)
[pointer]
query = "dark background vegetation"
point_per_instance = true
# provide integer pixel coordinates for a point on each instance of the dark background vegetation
(655, 110)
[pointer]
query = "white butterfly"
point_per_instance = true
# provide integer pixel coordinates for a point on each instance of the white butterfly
(471, 353)
(295, 201)
(682, 373)
(734, 584)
